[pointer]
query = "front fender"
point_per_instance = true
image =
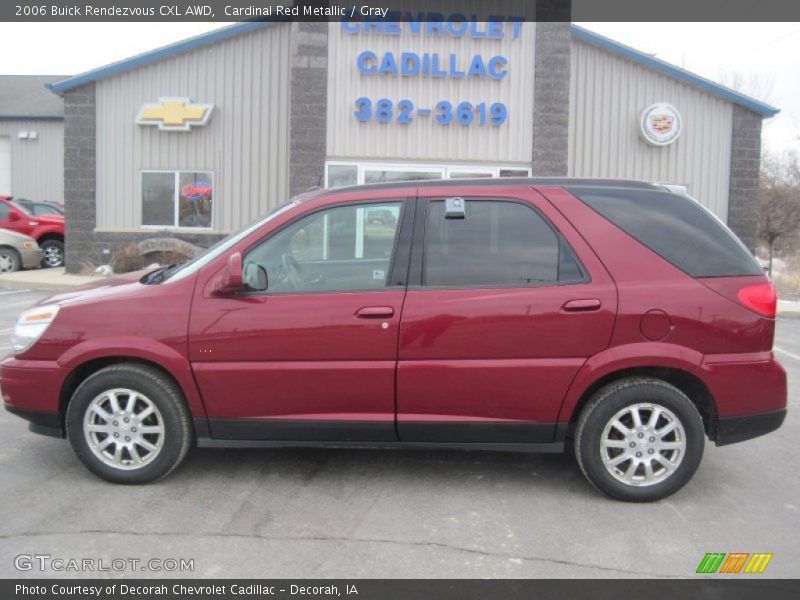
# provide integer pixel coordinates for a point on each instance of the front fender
(628, 356)
(42, 231)
(144, 349)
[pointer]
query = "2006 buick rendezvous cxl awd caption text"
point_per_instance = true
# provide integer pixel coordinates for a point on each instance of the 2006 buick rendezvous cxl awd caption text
(518, 314)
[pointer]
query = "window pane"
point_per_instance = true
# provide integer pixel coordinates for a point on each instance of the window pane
(339, 249)
(496, 244)
(676, 228)
(4, 210)
(194, 199)
(342, 175)
(381, 176)
(514, 173)
(158, 199)
(468, 174)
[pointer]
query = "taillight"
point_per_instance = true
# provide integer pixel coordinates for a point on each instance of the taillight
(759, 298)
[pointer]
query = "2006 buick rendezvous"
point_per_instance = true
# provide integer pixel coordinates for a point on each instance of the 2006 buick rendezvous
(518, 314)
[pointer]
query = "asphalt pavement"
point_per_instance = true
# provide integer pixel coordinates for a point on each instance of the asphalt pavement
(379, 513)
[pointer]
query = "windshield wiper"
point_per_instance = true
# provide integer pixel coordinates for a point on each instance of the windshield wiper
(158, 275)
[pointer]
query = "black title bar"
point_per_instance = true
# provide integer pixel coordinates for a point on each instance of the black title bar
(659, 11)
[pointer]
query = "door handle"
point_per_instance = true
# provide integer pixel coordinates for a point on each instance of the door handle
(375, 312)
(583, 305)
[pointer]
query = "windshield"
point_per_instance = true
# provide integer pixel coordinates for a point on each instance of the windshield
(21, 207)
(46, 209)
(202, 259)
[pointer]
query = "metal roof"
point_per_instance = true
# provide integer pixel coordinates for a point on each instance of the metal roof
(579, 33)
(24, 97)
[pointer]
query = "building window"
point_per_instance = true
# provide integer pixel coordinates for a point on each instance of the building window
(339, 174)
(177, 198)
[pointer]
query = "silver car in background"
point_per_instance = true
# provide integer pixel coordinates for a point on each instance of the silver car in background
(18, 251)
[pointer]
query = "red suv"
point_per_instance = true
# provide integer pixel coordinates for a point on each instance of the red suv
(47, 229)
(521, 314)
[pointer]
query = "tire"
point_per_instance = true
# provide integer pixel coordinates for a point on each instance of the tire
(10, 260)
(673, 454)
(53, 254)
(151, 444)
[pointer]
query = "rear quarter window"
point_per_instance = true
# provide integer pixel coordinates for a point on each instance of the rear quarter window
(676, 228)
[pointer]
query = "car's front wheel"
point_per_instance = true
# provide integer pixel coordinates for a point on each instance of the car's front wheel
(53, 253)
(128, 423)
(639, 439)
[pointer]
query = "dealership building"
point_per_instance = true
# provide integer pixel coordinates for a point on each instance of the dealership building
(192, 141)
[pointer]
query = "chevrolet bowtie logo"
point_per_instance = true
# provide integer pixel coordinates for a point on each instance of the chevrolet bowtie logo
(174, 114)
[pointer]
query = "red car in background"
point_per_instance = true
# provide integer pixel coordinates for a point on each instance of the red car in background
(616, 317)
(47, 230)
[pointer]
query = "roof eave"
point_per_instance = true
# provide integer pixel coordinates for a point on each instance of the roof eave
(765, 110)
(139, 60)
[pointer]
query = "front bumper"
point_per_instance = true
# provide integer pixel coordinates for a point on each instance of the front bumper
(738, 429)
(40, 422)
(31, 259)
(32, 389)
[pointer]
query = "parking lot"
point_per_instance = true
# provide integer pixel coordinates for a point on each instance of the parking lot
(360, 513)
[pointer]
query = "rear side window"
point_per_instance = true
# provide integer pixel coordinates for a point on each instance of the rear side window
(497, 243)
(676, 228)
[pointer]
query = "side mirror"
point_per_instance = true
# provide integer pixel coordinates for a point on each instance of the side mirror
(255, 277)
(231, 280)
(14, 216)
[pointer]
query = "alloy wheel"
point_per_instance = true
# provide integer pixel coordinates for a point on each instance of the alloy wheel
(643, 444)
(53, 256)
(124, 429)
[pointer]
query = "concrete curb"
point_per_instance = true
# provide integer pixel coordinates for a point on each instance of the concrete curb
(43, 279)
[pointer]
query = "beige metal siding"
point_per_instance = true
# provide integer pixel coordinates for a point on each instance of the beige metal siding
(37, 166)
(607, 96)
(245, 143)
(425, 139)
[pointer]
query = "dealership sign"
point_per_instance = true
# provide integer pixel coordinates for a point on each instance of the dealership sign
(433, 65)
(174, 114)
(660, 124)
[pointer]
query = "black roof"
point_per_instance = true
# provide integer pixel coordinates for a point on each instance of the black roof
(499, 181)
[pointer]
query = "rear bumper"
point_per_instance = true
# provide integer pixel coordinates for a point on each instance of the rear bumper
(32, 259)
(746, 427)
(745, 384)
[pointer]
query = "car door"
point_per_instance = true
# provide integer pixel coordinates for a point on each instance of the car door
(505, 304)
(313, 357)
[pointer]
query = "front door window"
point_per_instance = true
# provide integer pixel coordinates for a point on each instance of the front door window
(345, 248)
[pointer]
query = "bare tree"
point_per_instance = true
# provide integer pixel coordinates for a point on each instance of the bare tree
(778, 201)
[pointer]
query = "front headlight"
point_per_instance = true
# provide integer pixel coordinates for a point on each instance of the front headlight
(31, 325)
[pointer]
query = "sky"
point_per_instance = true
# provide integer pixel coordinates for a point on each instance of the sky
(763, 59)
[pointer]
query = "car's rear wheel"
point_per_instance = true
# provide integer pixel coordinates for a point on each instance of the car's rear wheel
(639, 439)
(53, 253)
(128, 423)
(9, 260)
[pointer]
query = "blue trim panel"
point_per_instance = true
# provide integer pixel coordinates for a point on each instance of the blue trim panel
(578, 32)
(30, 118)
(720, 91)
(158, 54)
